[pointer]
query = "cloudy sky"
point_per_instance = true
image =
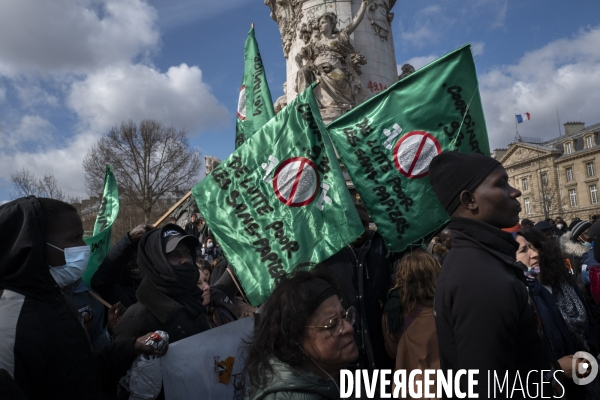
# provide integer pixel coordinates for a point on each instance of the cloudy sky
(71, 69)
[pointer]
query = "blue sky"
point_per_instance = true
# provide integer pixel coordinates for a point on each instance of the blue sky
(71, 69)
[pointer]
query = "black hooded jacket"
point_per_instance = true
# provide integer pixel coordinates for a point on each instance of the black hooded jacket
(44, 346)
(482, 315)
(110, 281)
(161, 297)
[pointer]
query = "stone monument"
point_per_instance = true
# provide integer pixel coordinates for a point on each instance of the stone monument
(345, 45)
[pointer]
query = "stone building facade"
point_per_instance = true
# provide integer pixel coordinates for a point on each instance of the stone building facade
(558, 177)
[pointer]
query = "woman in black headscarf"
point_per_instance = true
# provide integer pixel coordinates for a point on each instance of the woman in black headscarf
(168, 297)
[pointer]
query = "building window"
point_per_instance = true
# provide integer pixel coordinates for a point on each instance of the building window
(524, 184)
(569, 174)
(573, 197)
(568, 147)
(545, 179)
(527, 206)
(590, 168)
(589, 141)
(594, 194)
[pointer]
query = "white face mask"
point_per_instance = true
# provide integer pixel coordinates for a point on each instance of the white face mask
(559, 226)
(77, 260)
(209, 245)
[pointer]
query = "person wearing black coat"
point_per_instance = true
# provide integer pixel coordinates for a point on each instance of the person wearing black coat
(118, 277)
(168, 297)
(363, 271)
(44, 346)
(483, 317)
(192, 226)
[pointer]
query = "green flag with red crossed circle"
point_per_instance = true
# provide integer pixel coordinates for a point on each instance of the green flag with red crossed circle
(280, 201)
(255, 107)
(387, 143)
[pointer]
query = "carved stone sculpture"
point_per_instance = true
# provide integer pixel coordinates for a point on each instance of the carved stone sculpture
(211, 163)
(281, 102)
(287, 14)
(330, 57)
(380, 17)
(407, 69)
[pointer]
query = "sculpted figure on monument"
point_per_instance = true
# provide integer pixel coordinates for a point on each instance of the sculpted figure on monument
(407, 69)
(286, 13)
(330, 57)
(281, 102)
(380, 17)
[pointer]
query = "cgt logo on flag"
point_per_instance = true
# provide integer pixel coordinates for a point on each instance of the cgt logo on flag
(523, 117)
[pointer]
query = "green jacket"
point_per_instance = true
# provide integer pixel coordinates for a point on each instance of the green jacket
(287, 384)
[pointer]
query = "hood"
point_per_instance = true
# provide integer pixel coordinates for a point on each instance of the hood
(153, 263)
(23, 265)
(589, 259)
(571, 248)
(305, 381)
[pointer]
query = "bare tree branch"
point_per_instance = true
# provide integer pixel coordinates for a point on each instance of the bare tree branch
(26, 184)
(148, 161)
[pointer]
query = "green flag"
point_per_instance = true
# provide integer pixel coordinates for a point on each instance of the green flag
(101, 240)
(387, 143)
(280, 201)
(255, 107)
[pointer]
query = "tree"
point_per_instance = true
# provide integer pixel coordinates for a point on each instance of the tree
(148, 161)
(26, 184)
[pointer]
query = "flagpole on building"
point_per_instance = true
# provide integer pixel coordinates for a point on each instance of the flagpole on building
(517, 136)
(558, 119)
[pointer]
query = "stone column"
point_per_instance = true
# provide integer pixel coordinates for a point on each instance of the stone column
(370, 41)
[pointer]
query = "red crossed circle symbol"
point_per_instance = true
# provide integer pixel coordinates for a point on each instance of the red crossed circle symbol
(296, 182)
(414, 152)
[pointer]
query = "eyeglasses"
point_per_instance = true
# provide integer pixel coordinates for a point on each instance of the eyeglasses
(336, 324)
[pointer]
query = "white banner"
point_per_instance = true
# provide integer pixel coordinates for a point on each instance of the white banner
(208, 365)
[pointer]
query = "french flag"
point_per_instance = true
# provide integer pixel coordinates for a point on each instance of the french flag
(523, 117)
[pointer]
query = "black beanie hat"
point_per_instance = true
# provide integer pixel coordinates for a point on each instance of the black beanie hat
(452, 172)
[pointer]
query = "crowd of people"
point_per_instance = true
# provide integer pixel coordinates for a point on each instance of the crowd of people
(487, 292)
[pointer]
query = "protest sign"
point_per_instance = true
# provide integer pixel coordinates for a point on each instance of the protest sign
(280, 201)
(255, 107)
(101, 240)
(387, 143)
(208, 365)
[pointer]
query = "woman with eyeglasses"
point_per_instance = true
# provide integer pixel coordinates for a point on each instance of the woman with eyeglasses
(408, 320)
(302, 338)
(566, 321)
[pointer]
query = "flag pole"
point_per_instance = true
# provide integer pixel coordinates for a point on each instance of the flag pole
(516, 129)
(558, 119)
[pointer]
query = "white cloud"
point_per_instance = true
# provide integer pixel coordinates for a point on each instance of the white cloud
(421, 36)
(31, 128)
(64, 163)
(115, 94)
(419, 62)
(564, 73)
(477, 48)
(66, 36)
(31, 94)
(178, 12)
(500, 19)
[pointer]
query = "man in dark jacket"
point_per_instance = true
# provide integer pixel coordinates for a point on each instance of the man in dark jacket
(483, 318)
(118, 277)
(192, 226)
(168, 297)
(44, 346)
(364, 272)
